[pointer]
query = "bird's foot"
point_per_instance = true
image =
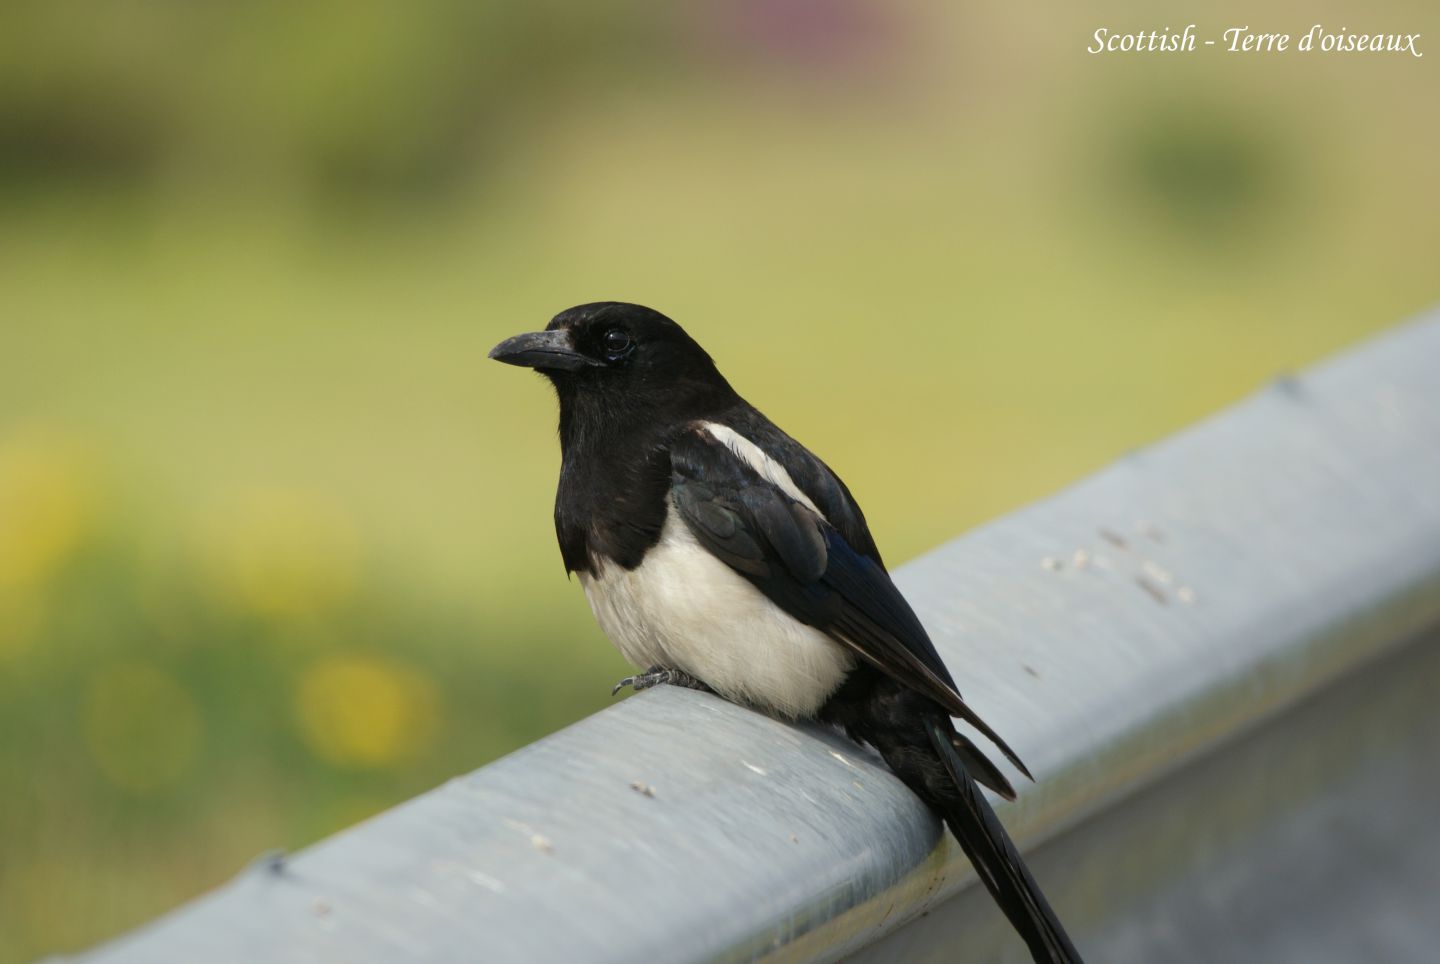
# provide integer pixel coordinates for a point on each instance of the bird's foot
(656, 675)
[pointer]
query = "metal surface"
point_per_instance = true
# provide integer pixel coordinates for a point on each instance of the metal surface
(1186, 648)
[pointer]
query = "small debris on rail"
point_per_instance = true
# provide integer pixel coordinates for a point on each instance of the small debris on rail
(1154, 591)
(644, 789)
(271, 862)
(1157, 572)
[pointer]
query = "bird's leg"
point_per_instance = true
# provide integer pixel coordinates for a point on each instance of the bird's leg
(656, 675)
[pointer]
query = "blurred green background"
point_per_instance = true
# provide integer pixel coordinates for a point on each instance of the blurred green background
(275, 538)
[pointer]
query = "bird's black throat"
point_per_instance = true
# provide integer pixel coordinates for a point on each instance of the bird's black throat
(615, 464)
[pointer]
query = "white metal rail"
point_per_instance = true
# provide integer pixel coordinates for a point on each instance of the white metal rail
(1220, 656)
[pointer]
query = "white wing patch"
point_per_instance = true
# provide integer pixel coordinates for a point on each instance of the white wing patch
(685, 609)
(769, 469)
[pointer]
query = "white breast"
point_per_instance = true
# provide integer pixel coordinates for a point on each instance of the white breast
(682, 608)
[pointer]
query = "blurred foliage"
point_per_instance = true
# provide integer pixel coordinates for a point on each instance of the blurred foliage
(163, 717)
(275, 548)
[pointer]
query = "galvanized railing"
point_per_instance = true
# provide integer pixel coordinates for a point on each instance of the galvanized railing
(1219, 656)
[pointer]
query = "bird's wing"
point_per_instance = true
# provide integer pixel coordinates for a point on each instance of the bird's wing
(803, 564)
(811, 475)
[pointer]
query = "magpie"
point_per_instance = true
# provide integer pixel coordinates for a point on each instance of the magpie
(721, 554)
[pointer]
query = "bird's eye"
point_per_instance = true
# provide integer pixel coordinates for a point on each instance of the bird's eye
(617, 342)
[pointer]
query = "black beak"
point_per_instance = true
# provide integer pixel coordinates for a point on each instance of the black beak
(542, 350)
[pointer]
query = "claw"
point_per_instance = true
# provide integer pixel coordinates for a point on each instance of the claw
(656, 675)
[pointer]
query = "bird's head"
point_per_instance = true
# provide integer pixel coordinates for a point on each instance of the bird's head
(617, 351)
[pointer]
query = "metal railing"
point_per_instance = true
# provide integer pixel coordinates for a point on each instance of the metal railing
(1219, 656)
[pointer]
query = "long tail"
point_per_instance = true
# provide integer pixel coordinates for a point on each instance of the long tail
(996, 860)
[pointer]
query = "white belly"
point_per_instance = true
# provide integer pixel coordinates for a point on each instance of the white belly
(684, 609)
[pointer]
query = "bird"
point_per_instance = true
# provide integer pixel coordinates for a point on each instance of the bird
(718, 553)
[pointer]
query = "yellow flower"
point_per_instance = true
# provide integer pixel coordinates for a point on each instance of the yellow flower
(46, 500)
(365, 712)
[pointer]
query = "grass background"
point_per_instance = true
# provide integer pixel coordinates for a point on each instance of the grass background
(275, 545)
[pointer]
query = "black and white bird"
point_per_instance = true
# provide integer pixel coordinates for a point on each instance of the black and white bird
(719, 553)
